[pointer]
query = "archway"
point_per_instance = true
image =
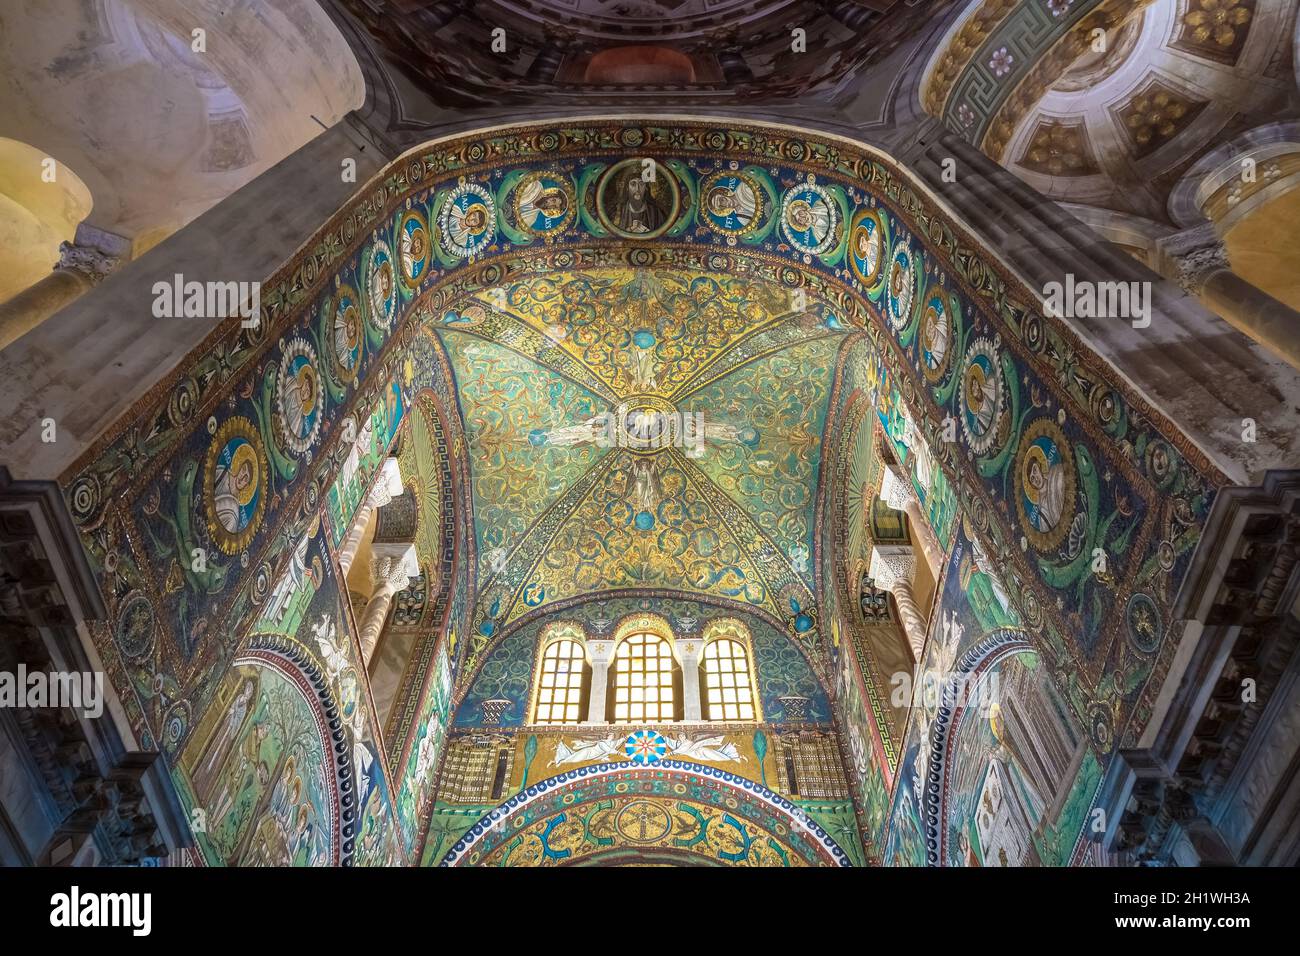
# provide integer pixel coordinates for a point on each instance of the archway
(963, 373)
(666, 807)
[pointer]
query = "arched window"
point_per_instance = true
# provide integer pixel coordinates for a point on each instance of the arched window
(644, 682)
(563, 684)
(728, 681)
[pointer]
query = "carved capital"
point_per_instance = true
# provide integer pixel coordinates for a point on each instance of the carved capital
(892, 565)
(1195, 266)
(688, 651)
(895, 490)
(389, 484)
(392, 566)
(87, 261)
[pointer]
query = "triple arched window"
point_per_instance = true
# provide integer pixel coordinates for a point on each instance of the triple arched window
(645, 676)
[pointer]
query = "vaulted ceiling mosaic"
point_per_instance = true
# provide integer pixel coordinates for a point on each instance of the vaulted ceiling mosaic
(642, 428)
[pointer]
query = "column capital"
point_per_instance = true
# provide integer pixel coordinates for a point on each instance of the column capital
(895, 490)
(93, 253)
(892, 564)
(1193, 255)
(393, 566)
(688, 650)
(1197, 265)
(388, 485)
(600, 651)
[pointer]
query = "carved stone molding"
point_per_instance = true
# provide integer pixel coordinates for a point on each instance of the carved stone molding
(108, 801)
(1213, 779)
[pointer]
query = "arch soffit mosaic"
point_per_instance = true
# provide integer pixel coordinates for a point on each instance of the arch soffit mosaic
(749, 809)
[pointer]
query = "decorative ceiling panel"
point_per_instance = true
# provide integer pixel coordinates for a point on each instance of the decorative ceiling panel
(642, 428)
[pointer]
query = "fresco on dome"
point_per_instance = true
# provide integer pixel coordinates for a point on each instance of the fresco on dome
(190, 506)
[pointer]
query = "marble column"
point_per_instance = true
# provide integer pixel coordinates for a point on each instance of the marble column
(1199, 263)
(82, 265)
(896, 491)
(387, 487)
(599, 653)
(892, 568)
(391, 569)
(688, 656)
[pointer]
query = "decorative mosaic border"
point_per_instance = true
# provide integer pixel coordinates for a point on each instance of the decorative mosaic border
(791, 811)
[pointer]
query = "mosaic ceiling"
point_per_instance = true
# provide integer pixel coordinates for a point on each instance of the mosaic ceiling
(642, 428)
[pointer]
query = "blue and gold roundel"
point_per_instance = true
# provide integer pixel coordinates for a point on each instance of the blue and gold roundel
(809, 219)
(468, 220)
(1045, 484)
(381, 285)
(866, 247)
(413, 248)
(936, 339)
(299, 397)
(235, 484)
(346, 333)
(982, 395)
(544, 203)
(731, 203)
(902, 286)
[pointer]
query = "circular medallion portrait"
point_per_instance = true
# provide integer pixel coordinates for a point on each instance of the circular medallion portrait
(902, 286)
(981, 395)
(936, 336)
(638, 199)
(234, 484)
(731, 203)
(413, 248)
(299, 397)
(468, 220)
(1045, 485)
(544, 203)
(346, 333)
(866, 246)
(809, 220)
(381, 285)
